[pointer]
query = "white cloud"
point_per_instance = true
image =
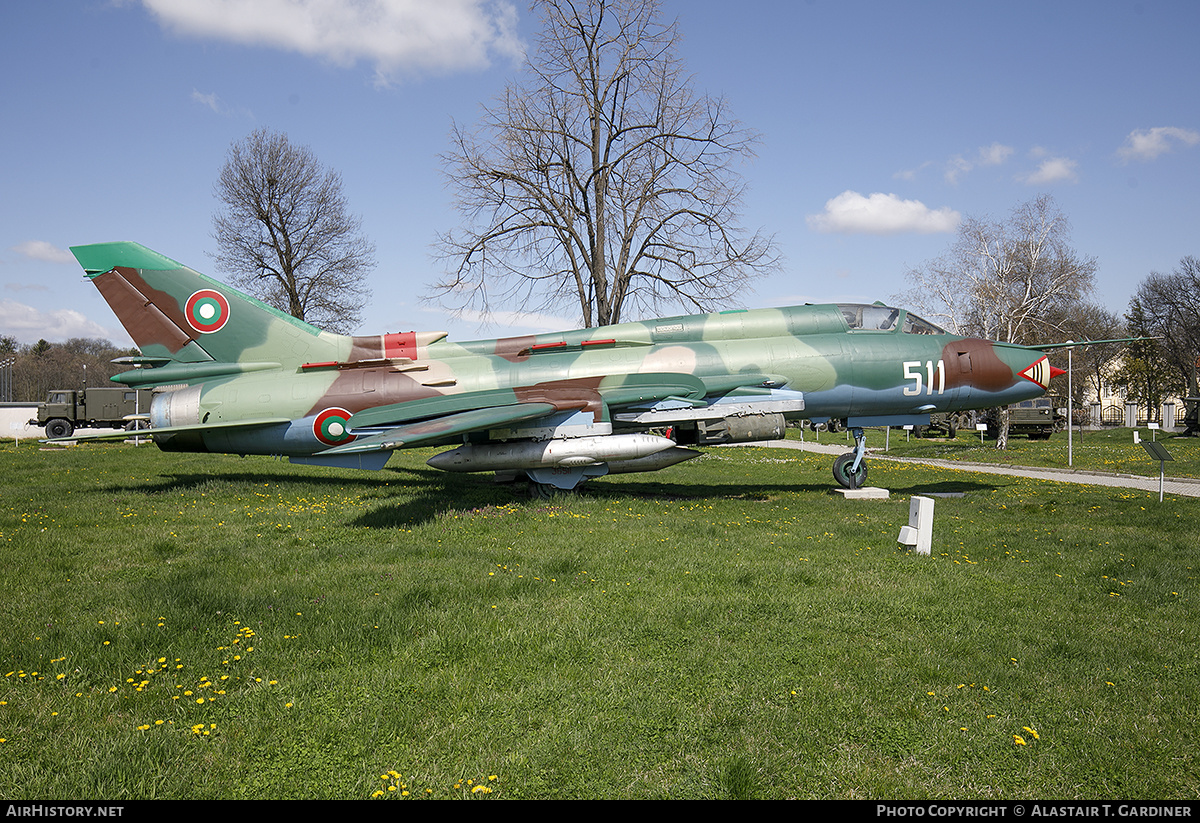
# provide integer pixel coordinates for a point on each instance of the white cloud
(43, 251)
(210, 100)
(29, 324)
(992, 155)
(396, 36)
(1052, 170)
(955, 167)
(1147, 144)
(852, 213)
(911, 174)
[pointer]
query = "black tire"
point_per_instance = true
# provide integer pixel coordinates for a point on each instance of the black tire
(59, 428)
(846, 478)
(542, 491)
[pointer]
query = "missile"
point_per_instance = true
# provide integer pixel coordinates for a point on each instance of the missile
(549, 454)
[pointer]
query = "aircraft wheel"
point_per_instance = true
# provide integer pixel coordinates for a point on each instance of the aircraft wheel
(846, 478)
(544, 491)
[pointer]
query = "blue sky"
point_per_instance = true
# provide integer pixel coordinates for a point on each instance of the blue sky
(883, 124)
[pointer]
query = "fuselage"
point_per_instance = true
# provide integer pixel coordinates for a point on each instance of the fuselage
(845, 361)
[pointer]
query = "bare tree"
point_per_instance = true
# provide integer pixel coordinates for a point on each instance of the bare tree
(1149, 370)
(1168, 306)
(285, 234)
(601, 179)
(43, 366)
(1095, 365)
(1006, 280)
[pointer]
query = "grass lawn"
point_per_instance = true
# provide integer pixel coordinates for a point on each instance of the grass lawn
(196, 626)
(1107, 450)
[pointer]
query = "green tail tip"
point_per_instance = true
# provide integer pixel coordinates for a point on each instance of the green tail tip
(101, 257)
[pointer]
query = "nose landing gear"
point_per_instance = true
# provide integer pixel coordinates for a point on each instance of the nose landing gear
(850, 470)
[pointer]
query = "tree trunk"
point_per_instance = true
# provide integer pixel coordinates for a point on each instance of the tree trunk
(1002, 429)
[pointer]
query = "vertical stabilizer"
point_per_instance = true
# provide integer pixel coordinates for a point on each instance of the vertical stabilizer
(174, 312)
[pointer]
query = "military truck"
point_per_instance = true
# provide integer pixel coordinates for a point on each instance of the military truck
(946, 425)
(66, 410)
(1038, 418)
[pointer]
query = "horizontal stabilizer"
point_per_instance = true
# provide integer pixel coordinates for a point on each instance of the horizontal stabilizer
(188, 373)
(120, 434)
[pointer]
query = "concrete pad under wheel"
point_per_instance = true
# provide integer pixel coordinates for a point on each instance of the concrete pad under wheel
(865, 493)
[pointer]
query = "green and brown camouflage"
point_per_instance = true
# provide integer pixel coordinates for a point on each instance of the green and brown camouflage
(234, 375)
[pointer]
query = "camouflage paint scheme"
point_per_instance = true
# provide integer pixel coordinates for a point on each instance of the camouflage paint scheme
(236, 376)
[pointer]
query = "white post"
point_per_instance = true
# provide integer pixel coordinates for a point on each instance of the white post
(918, 534)
(1070, 410)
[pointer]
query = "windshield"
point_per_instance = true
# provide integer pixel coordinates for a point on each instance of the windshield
(916, 325)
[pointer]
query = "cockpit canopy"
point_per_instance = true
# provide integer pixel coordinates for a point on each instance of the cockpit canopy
(878, 317)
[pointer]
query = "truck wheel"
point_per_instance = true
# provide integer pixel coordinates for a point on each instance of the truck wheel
(59, 428)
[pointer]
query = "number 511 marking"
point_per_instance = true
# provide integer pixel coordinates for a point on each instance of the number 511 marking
(912, 371)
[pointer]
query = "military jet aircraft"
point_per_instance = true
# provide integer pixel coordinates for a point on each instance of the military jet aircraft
(233, 375)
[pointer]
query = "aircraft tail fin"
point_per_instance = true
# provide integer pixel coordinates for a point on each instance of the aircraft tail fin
(173, 312)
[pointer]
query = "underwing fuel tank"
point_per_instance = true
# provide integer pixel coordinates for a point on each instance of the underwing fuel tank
(550, 454)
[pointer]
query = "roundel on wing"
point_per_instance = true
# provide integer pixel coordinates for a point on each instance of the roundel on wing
(332, 427)
(207, 311)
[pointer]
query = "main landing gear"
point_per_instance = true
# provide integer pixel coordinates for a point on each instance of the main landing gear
(850, 470)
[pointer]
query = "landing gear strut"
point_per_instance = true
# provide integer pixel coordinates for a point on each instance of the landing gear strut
(850, 470)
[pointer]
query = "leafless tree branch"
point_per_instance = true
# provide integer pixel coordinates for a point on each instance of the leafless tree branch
(601, 180)
(285, 235)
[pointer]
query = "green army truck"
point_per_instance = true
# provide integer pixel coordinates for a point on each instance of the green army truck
(66, 410)
(1038, 418)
